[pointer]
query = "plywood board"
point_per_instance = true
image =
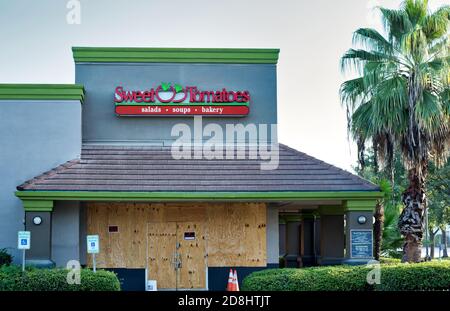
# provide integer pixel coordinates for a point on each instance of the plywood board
(162, 239)
(235, 233)
(192, 274)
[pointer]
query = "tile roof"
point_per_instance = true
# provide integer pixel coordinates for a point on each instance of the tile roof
(152, 168)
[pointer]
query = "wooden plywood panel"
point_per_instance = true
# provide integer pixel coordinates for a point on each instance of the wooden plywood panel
(125, 248)
(192, 273)
(184, 212)
(162, 238)
(97, 223)
(237, 235)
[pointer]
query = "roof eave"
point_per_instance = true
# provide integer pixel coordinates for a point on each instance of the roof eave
(269, 196)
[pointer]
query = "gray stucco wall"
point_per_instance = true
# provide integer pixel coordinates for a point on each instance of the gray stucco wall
(65, 232)
(272, 230)
(36, 136)
(83, 233)
(40, 244)
(100, 124)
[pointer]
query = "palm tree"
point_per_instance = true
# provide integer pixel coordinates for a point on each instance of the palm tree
(400, 100)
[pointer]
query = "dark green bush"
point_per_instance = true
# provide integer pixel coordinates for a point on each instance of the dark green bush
(13, 279)
(432, 275)
(394, 276)
(5, 257)
(332, 278)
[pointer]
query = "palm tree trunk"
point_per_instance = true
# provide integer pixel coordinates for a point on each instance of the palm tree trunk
(378, 229)
(444, 242)
(411, 220)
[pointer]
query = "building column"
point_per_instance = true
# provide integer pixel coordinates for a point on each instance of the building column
(293, 239)
(359, 231)
(317, 255)
(307, 240)
(331, 235)
(272, 239)
(282, 236)
(40, 252)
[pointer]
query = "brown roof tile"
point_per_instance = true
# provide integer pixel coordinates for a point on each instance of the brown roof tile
(152, 168)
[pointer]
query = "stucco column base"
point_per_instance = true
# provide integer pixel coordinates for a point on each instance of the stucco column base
(40, 263)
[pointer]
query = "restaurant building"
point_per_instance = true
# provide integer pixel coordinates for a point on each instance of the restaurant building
(97, 158)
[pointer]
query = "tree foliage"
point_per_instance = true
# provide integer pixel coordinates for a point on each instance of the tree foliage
(400, 101)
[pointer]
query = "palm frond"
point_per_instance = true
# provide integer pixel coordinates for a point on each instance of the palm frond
(355, 59)
(373, 40)
(416, 10)
(396, 23)
(353, 92)
(435, 25)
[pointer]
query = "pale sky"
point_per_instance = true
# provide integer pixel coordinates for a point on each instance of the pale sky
(312, 35)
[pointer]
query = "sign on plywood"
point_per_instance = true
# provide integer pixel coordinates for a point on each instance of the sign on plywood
(151, 286)
(93, 246)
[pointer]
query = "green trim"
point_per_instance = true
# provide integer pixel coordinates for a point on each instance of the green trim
(42, 91)
(37, 206)
(193, 196)
(360, 205)
(174, 55)
(331, 210)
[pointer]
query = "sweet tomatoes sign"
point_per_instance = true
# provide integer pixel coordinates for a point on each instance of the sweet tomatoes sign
(176, 100)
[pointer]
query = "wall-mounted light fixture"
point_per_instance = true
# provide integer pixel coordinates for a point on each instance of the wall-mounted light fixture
(37, 220)
(362, 220)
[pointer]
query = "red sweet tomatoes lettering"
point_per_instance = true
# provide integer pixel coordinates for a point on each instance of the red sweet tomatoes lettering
(192, 92)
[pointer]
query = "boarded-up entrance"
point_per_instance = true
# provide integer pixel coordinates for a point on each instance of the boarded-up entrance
(228, 234)
(177, 255)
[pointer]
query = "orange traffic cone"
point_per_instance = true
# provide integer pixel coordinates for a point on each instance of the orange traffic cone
(236, 283)
(231, 286)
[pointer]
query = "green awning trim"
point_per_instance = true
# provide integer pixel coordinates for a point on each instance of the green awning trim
(174, 55)
(195, 196)
(42, 92)
(37, 206)
(31, 199)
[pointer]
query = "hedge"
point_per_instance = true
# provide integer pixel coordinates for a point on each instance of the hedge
(13, 279)
(394, 277)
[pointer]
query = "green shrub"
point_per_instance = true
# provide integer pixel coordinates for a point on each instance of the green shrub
(394, 277)
(389, 260)
(13, 279)
(5, 257)
(333, 278)
(423, 276)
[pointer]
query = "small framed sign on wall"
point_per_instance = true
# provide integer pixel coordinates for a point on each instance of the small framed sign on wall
(189, 235)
